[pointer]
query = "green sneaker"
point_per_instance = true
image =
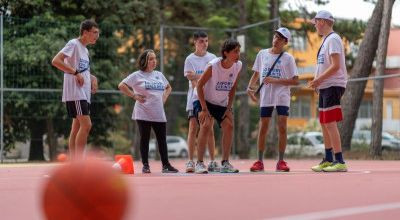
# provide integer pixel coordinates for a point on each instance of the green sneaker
(336, 167)
(321, 166)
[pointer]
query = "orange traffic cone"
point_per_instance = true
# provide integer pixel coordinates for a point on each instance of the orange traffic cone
(124, 163)
(62, 157)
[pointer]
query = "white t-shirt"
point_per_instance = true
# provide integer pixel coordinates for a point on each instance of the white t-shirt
(275, 94)
(152, 86)
(77, 55)
(333, 44)
(198, 65)
(217, 88)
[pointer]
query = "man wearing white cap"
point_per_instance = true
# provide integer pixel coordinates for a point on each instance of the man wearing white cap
(330, 82)
(278, 71)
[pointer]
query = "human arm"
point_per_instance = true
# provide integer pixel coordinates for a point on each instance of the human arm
(167, 92)
(200, 93)
(124, 88)
(94, 83)
(58, 62)
(252, 86)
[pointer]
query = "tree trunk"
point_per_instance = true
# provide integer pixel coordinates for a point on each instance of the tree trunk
(272, 137)
(274, 13)
(51, 139)
(377, 101)
(242, 130)
(362, 68)
(36, 128)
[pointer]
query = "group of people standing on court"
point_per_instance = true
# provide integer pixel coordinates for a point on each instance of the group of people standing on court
(212, 85)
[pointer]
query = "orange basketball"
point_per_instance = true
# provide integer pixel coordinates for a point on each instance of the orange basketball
(85, 190)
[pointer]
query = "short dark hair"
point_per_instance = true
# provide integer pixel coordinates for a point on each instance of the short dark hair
(87, 25)
(143, 59)
(199, 34)
(229, 45)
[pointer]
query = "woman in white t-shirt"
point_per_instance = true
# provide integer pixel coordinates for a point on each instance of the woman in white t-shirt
(150, 89)
(274, 93)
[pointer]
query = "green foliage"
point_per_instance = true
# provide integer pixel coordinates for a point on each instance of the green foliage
(33, 40)
(35, 30)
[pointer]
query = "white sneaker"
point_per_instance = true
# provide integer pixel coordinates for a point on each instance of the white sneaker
(201, 168)
(213, 166)
(228, 168)
(190, 166)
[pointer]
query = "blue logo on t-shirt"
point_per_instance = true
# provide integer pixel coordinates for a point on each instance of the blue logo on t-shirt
(153, 86)
(83, 64)
(275, 73)
(224, 86)
(199, 72)
(321, 59)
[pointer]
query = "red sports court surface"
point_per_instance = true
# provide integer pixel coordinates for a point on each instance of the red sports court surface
(370, 190)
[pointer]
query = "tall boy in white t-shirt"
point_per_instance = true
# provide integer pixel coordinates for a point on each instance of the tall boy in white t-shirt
(195, 65)
(330, 82)
(74, 61)
(275, 93)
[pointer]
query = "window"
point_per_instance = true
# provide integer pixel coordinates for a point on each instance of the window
(300, 107)
(320, 139)
(298, 41)
(305, 142)
(389, 110)
(293, 140)
(365, 110)
(172, 140)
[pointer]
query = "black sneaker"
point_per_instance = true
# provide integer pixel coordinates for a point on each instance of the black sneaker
(146, 168)
(169, 169)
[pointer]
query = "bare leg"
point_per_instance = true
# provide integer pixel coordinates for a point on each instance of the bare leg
(227, 133)
(334, 136)
(83, 133)
(327, 139)
(192, 136)
(282, 127)
(202, 138)
(211, 141)
(262, 133)
(72, 138)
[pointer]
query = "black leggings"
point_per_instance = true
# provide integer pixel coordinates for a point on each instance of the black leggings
(161, 134)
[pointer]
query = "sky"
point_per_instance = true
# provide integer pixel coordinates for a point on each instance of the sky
(349, 9)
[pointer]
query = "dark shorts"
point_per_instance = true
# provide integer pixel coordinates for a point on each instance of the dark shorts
(329, 104)
(267, 111)
(190, 114)
(216, 111)
(75, 108)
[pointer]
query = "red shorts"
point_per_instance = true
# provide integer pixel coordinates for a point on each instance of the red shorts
(329, 104)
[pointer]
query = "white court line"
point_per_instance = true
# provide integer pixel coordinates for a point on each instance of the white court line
(340, 212)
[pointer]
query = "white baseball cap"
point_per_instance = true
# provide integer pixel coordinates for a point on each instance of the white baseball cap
(323, 15)
(284, 32)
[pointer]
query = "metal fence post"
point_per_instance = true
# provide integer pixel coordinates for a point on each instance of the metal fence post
(162, 48)
(1, 87)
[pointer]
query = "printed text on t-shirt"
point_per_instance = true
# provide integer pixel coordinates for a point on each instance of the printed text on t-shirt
(83, 64)
(153, 86)
(223, 86)
(321, 59)
(275, 73)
